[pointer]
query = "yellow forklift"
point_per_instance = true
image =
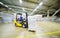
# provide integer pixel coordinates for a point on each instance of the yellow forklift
(19, 23)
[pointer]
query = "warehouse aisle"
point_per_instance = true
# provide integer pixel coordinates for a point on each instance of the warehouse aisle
(8, 30)
(29, 18)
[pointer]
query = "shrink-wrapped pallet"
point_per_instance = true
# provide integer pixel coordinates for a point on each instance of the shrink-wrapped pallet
(32, 21)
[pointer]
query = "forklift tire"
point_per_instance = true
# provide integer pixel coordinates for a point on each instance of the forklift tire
(31, 30)
(15, 25)
(23, 26)
(26, 26)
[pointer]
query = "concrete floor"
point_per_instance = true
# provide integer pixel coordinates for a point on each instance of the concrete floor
(8, 30)
(48, 29)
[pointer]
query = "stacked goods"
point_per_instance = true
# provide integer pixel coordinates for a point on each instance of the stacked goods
(32, 21)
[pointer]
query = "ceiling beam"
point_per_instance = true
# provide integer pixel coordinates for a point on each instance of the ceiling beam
(19, 7)
(56, 12)
(31, 1)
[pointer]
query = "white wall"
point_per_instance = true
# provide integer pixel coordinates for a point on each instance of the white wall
(6, 17)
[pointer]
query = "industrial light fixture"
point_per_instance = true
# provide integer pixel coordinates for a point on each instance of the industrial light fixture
(15, 14)
(10, 8)
(1, 3)
(40, 4)
(20, 1)
(6, 6)
(23, 9)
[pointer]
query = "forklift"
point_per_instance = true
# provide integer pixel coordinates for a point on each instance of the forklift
(19, 23)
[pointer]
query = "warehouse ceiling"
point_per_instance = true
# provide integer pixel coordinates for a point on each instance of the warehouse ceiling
(32, 6)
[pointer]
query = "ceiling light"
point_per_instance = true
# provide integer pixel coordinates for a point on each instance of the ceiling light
(40, 4)
(15, 14)
(10, 8)
(1, 3)
(20, 1)
(23, 9)
(6, 6)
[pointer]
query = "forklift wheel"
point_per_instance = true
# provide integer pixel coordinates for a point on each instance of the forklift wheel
(31, 30)
(15, 25)
(23, 26)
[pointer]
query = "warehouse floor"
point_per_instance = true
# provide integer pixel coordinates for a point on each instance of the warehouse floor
(8, 30)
